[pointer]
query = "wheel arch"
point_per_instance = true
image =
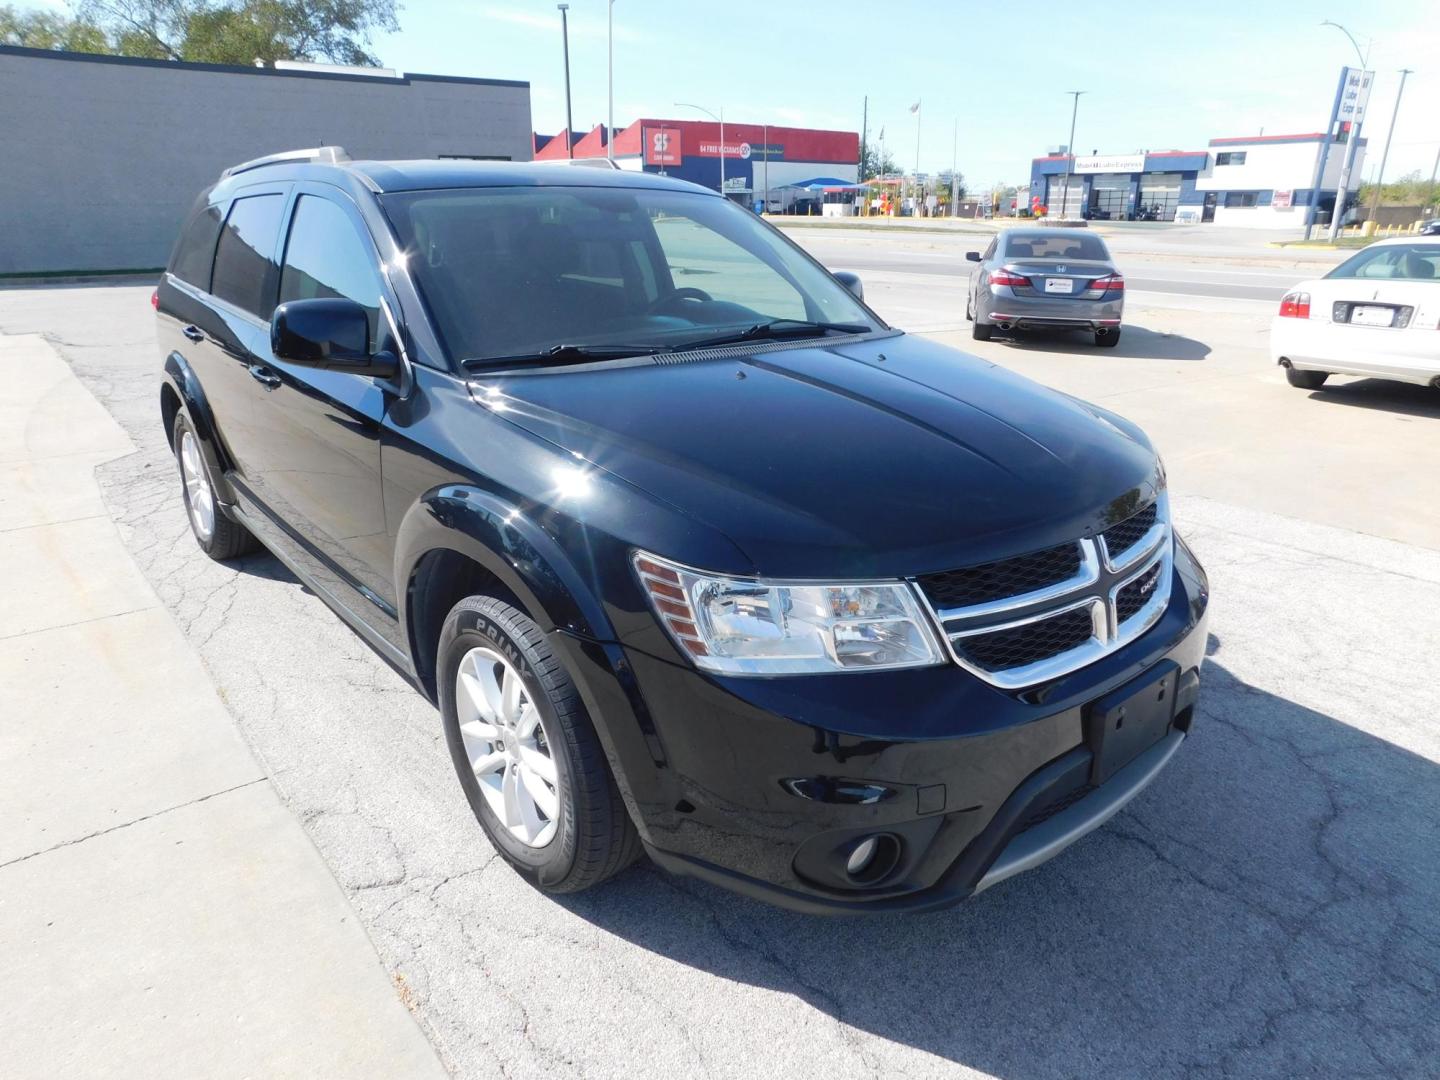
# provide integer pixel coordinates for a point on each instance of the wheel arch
(180, 390)
(458, 540)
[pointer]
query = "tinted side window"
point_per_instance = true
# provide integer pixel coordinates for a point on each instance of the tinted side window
(244, 261)
(325, 258)
(195, 250)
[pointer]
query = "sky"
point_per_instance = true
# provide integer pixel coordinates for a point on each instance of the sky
(991, 77)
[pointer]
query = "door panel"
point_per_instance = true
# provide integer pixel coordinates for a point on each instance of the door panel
(319, 430)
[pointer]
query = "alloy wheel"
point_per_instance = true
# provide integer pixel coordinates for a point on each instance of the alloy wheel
(507, 747)
(198, 493)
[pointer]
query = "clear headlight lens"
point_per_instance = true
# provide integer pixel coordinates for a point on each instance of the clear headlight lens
(737, 626)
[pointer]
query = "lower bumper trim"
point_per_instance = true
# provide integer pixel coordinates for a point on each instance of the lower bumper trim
(1045, 841)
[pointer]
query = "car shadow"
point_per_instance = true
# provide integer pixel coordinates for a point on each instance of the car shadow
(1271, 906)
(1383, 395)
(1136, 342)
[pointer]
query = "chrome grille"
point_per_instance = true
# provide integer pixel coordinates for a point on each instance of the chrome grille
(1121, 538)
(1007, 577)
(1023, 621)
(1029, 643)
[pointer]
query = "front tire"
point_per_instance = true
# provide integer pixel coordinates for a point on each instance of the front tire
(527, 755)
(1306, 380)
(218, 536)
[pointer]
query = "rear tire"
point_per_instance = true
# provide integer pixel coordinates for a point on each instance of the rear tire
(1109, 339)
(569, 829)
(981, 331)
(1306, 380)
(218, 536)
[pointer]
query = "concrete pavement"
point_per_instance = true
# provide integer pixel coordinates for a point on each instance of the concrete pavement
(1269, 908)
(162, 913)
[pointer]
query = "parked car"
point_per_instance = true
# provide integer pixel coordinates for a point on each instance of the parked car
(1046, 279)
(694, 554)
(1375, 314)
(1430, 228)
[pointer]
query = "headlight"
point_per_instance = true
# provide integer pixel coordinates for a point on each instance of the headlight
(739, 626)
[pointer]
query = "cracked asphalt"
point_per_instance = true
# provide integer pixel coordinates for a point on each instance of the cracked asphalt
(1269, 908)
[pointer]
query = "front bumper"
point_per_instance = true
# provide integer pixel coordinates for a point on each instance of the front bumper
(756, 784)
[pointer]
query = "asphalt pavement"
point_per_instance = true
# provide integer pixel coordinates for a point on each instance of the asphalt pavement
(1270, 907)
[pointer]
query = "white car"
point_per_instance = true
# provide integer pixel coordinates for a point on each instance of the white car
(1376, 314)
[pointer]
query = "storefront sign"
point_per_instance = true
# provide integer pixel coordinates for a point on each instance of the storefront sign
(1355, 95)
(743, 150)
(1120, 163)
(662, 146)
(1282, 200)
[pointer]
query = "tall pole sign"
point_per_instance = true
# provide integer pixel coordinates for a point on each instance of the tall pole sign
(1323, 153)
(1354, 96)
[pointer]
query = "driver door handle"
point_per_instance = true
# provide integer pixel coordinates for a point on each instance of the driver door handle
(193, 332)
(264, 376)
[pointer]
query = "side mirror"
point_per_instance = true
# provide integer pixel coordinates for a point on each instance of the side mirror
(331, 333)
(852, 282)
(972, 256)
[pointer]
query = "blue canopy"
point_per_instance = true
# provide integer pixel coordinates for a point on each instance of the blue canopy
(824, 183)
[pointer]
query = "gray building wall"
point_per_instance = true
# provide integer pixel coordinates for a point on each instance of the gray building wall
(102, 157)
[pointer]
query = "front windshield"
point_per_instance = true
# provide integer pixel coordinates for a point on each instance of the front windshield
(512, 272)
(1403, 262)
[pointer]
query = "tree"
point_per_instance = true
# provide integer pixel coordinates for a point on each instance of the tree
(876, 162)
(210, 31)
(50, 30)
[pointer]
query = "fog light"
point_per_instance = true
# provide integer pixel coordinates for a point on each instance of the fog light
(861, 857)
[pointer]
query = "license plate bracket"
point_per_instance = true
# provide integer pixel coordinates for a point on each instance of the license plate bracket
(1059, 285)
(1129, 720)
(1372, 315)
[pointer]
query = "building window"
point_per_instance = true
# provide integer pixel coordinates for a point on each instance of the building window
(1239, 198)
(1230, 157)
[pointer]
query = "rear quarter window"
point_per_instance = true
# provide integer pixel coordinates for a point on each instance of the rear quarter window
(245, 270)
(195, 249)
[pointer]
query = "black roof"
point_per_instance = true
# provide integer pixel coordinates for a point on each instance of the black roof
(380, 177)
(447, 173)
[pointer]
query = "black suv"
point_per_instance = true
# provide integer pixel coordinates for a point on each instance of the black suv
(693, 552)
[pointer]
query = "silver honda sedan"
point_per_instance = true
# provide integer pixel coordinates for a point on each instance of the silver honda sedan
(1035, 278)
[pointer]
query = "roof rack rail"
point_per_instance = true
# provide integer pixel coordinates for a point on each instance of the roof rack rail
(584, 162)
(329, 155)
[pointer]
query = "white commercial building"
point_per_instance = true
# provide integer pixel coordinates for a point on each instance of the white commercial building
(1265, 181)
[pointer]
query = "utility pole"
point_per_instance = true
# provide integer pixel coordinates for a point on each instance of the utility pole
(954, 158)
(1069, 155)
(1380, 179)
(721, 120)
(565, 36)
(610, 115)
(864, 135)
(919, 192)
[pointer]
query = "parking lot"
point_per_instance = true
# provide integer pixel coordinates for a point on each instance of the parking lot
(1269, 907)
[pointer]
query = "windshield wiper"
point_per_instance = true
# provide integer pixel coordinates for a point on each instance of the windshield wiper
(569, 354)
(778, 329)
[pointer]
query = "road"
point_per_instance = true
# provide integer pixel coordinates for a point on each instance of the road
(1269, 908)
(940, 256)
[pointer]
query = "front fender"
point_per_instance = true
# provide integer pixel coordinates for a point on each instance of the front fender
(498, 536)
(180, 377)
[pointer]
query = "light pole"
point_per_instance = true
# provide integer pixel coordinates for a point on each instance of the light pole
(954, 158)
(565, 36)
(721, 120)
(610, 114)
(1380, 179)
(1069, 155)
(1352, 147)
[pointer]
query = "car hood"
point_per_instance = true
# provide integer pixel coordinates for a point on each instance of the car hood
(879, 457)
